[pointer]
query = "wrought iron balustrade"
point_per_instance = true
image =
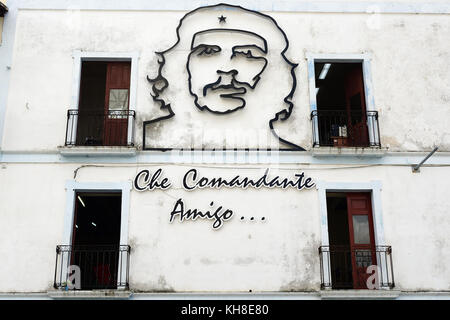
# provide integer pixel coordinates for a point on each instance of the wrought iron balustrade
(99, 267)
(344, 268)
(340, 128)
(99, 128)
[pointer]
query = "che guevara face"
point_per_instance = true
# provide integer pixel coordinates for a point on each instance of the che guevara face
(224, 67)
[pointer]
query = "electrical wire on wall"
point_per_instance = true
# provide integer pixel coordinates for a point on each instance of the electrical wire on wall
(244, 166)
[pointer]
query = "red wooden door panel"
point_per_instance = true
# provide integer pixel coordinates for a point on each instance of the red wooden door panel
(362, 241)
(117, 96)
(356, 107)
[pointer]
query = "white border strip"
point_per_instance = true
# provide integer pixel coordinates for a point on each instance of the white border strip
(231, 157)
(430, 7)
(402, 295)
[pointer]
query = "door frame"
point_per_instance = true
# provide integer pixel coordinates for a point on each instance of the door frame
(364, 59)
(80, 56)
(374, 187)
(72, 187)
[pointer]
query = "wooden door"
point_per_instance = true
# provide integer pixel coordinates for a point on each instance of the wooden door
(362, 241)
(117, 96)
(356, 108)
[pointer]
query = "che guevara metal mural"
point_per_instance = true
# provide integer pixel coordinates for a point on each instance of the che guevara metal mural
(222, 55)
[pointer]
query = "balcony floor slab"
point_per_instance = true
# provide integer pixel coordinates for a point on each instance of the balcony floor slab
(91, 294)
(348, 151)
(359, 294)
(77, 151)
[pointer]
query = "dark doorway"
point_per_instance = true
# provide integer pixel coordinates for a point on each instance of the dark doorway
(91, 103)
(103, 103)
(341, 105)
(351, 238)
(96, 239)
(339, 239)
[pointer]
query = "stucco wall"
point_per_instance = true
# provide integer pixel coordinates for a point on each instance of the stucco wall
(409, 74)
(280, 254)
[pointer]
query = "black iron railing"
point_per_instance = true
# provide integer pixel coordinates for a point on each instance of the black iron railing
(98, 128)
(345, 268)
(345, 129)
(92, 267)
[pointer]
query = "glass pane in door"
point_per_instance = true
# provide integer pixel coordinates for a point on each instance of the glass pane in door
(361, 229)
(118, 103)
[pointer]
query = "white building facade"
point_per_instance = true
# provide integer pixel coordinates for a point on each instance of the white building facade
(178, 149)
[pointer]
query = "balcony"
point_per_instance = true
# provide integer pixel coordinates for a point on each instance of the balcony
(92, 267)
(345, 268)
(99, 128)
(339, 128)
